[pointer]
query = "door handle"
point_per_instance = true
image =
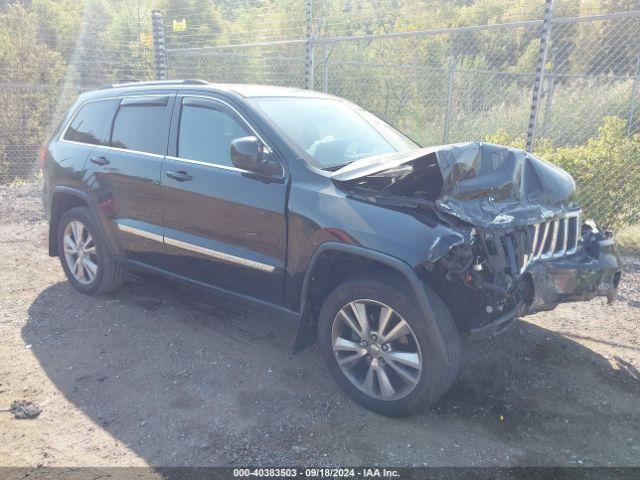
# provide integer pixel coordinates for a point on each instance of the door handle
(100, 160)
(180, 175)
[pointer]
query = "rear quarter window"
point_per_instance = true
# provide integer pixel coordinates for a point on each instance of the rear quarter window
(91, 123)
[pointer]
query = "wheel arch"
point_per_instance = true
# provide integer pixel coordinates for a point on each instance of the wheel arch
(63, 199)
(331, 263)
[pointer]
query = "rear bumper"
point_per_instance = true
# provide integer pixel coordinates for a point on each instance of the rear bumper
(593, 272)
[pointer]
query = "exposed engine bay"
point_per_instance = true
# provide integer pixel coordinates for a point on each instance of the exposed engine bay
(523, 245)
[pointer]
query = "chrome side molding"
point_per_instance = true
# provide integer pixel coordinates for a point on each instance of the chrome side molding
(224, 257)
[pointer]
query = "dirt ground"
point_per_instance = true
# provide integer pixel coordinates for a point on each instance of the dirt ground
(157, 375)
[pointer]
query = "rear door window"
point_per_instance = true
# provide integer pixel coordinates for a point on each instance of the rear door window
(91, 123)
(140, 125)
(206, 133)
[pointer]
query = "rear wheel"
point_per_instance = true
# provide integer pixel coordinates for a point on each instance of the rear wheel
(376, 345)
(85, 258)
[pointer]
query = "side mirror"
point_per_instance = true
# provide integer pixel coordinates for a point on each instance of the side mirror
(248, 153)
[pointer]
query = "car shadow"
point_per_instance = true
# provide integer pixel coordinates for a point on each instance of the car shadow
(186, 379)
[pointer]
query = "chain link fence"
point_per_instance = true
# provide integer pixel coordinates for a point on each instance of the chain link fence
(566, 85)
(440, 84)
(43, 69)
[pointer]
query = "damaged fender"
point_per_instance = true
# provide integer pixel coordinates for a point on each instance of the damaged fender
(526, 247)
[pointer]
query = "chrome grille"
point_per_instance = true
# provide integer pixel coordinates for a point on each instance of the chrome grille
(553, 239)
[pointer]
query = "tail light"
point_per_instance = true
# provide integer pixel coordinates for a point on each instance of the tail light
(42, 154)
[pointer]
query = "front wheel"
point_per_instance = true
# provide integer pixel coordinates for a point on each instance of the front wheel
(85, 258)
(376, 345)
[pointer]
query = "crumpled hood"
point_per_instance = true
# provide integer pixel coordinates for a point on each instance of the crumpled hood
(484, 184)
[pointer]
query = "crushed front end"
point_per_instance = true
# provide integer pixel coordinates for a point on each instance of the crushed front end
(523, 270)
(526, 246)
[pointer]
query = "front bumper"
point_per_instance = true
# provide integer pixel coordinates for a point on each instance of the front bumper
(594, 271)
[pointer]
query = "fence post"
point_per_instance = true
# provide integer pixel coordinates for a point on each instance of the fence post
(159, 45)
(539, 74)
(449, 107)
(548, 93)
(309, 66)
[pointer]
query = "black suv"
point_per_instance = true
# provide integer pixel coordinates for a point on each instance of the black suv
(386, 253)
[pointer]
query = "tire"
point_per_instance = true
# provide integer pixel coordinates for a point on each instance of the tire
(431, 380)
(110, 274)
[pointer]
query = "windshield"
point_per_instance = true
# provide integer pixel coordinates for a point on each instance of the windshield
(333, 132)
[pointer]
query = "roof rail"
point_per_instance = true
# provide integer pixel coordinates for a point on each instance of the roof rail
(188, 81)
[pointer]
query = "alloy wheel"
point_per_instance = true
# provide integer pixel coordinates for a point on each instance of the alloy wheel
(376, 349)
(80, 252)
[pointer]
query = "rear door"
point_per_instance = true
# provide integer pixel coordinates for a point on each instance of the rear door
(125, 174)
(224, 226)
(89, 127)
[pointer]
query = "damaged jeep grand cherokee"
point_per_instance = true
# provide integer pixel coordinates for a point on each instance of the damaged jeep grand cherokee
(385, 253)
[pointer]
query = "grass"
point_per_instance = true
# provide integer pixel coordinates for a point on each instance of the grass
(17, 182)
(629, 239)
(22, 181)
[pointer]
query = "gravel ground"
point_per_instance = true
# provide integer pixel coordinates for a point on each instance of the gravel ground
(157, 375)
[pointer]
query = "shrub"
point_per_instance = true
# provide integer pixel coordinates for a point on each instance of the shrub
(606, 170)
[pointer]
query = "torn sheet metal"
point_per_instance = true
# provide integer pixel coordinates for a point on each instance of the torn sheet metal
(490, 186)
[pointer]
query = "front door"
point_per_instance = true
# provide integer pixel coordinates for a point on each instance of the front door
(224, 226)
